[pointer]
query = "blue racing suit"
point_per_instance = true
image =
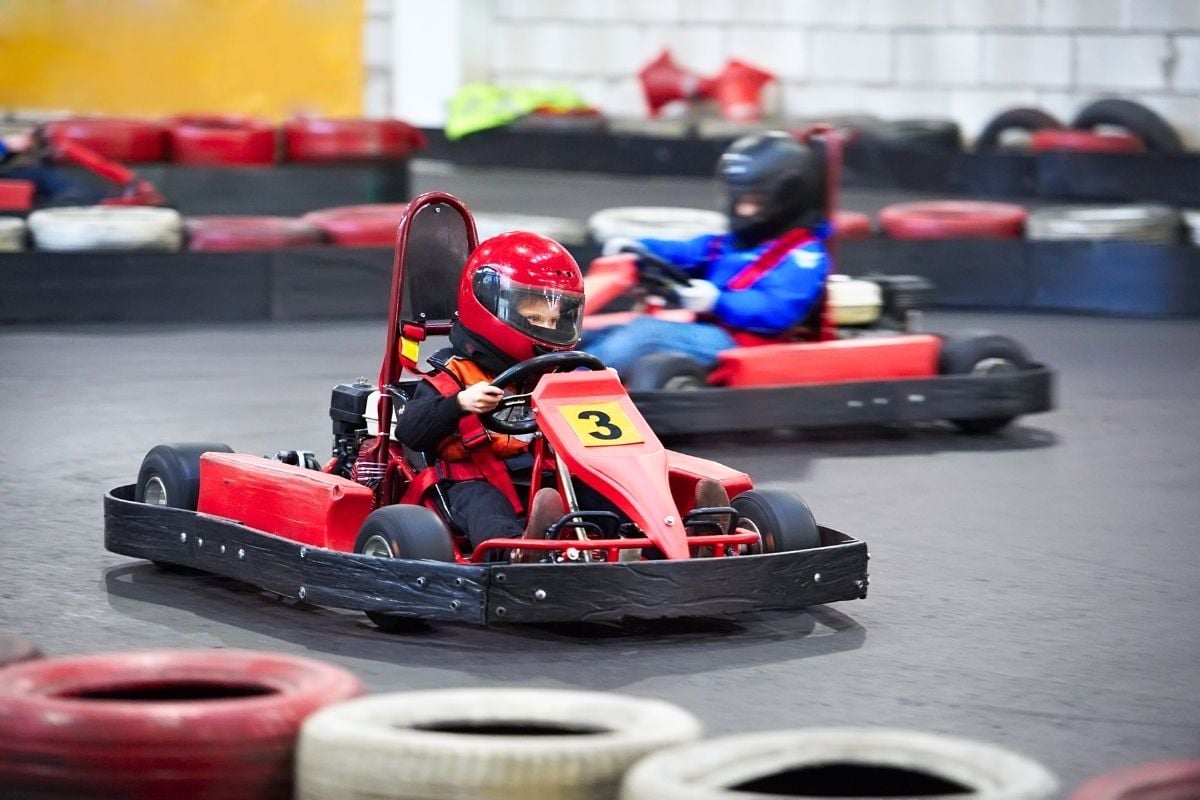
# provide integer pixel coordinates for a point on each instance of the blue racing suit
(767, 301)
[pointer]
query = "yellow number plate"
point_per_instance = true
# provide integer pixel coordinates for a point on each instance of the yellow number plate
(601, 424)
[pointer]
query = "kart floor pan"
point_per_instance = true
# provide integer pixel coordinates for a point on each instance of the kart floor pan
(492, 593)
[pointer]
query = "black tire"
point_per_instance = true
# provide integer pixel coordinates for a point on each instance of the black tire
(981, 354)
(914, 134)
(669, 371)
(172, 471)
(403, 531)
(1022, 119)
(1156, 132)
(782, 518)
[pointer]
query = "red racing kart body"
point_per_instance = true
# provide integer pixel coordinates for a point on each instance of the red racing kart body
(370, 530)
(820, 374)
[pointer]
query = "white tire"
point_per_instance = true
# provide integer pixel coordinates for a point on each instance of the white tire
(482, 743)
(1139, 223)
(12, 234)
(106, 228)
(560, 229)
(654, 222)
(854, 301)
(722, 769)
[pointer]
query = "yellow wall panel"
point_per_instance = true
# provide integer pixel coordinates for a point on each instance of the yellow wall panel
(272, 58)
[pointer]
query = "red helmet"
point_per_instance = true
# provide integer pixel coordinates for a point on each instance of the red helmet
(521, 295)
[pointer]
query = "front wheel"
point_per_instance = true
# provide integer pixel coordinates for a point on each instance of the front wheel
(170, 474)
(403, 531)
(981, 354)
(666, 371)
(782, 519)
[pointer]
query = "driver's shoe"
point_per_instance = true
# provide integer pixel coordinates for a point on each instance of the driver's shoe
(711, 494)
(545, 510)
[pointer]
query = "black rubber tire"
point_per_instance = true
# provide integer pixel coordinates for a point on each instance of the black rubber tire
(411, 532)
(964, 355)
(916, 134)
(1023, 119)
(669, 371)
(177, 466)
(783, 519)
(1156, 132)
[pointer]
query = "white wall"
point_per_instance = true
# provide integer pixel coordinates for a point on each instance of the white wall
(965, 59)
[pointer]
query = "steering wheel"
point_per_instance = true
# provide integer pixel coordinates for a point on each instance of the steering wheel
(656, 269)
(519, 374)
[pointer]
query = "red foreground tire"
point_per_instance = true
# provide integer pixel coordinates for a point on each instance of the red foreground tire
(182, 724)
(1084, 142)
(953, 219)
(225, 234)
(1160, 780)
(349, 139)
(359, 226)
(15, 649)
(212, 139)
(125, 140)
(851, 225)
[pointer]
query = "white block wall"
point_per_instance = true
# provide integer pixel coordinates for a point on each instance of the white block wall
(965, 59)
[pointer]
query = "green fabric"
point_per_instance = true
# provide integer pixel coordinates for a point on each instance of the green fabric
(479, 106)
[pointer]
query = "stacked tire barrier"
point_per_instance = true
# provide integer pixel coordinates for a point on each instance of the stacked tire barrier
(106, 228)
(952, 219)
(1192, 218)
(494, 743)
(179, 724)
(12, 234)
(1150, 224)
(231, 233)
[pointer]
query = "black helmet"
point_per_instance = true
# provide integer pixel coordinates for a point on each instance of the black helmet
(785, 176)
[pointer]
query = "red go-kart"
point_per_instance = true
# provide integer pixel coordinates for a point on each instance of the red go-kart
(855, 361)
(370, 530)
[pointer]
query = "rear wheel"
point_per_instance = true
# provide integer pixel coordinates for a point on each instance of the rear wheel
(666, 371)
(981, 354)
(403, 531)
(782, 519)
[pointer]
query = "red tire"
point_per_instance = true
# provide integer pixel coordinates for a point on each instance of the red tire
(16, 195)
(359, 226)
(1160, 780)
(953, 219)
(349, 139)
(183, 724)
(218, 233)
(213, 139)
(1085, 142)
(125, 140)
(851, 225)
(15, 649)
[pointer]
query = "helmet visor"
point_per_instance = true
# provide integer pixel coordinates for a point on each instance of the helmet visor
(547, 314)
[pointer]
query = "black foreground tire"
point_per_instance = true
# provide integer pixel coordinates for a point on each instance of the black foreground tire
(783, 519)
(669, 371)
(500, 743)
(1021, 119)
(981, 354)
(170, 474)
(403, 531)
(1156, 132)
(837, 762)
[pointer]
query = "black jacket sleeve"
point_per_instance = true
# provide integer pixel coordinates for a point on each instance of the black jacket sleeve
(428, 418)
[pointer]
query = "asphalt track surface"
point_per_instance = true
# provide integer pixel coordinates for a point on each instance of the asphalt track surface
(1034, 589)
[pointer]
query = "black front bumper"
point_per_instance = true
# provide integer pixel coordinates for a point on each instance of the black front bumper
(493, 593)
(945, 397)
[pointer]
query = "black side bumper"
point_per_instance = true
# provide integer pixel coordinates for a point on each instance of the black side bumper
(946, 397)
(487, 594)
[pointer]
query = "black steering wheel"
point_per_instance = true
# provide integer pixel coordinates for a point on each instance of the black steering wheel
(656, 270)
(520, 374)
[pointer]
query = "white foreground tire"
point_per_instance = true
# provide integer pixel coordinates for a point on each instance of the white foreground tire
(560, 229)
(482, 743)
(12, 234)
(860, 762)
(106, 228)
(654, 222)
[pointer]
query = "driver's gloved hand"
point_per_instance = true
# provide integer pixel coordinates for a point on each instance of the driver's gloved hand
(699, 295)
(619, 244)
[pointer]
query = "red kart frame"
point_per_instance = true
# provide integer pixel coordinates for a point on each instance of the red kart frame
(370, 530)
